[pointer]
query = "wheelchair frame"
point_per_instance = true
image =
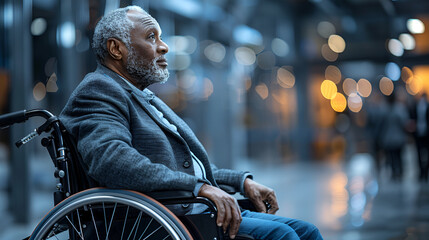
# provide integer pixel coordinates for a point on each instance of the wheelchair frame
(77, 197)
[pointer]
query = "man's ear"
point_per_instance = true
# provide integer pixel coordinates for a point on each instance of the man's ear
(116, 48)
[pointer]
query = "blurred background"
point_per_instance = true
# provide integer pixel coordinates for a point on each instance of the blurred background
(323, 100)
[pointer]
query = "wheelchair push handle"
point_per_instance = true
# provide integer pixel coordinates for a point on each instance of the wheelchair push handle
(11, 118)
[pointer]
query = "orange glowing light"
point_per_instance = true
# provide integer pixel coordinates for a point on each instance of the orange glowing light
(339, 103)
(414, 86)
(262, 90)
(386, 86)
(349, 86)
(421, 72)
(248, 83)
(406, 74)
(364, 87)
(328, 89)
(333, 73)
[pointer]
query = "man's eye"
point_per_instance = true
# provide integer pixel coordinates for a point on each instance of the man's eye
(152, 36)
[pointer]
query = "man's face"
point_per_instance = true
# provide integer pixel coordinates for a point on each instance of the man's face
(146, 62)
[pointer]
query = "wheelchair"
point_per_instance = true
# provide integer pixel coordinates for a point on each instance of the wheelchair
(82, 210)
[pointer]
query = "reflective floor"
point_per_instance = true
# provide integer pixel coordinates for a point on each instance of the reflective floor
(347, 201)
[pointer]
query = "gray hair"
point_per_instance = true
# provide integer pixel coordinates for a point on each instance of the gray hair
(115, 24)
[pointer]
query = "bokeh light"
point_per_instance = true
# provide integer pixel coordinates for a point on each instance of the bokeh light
(179, 61)
(392, 71)
(336, 43)
(38, 26)
(415, 26)
(325, 29)
(262, 90)
(386, 86)
(51, 85)
(248, 83)
(66, 34)
(187, 44)
(208, 88)
(364, 87)
(333, 73)
(186, 80)
(407, 74)
(328, 54)
(285, 78)
(407, 41)
(39, 91)
(414, 86)
(339, 102)
(395, 47)
(215, 52)
(245, 56)
(51, 66)
(349, 86)
(354, 102)
(328, 89)
(280, 47)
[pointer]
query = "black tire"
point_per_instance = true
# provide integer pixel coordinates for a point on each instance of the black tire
(110, 214)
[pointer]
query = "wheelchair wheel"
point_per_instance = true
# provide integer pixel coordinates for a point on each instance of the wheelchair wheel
(110, 214)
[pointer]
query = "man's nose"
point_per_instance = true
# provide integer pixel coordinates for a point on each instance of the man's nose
(163, 47)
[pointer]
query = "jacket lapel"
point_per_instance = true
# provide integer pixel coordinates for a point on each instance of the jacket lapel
(138, 96)
(151, 112)
(185, 132)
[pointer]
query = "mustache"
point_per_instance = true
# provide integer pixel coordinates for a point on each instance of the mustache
(160, 58)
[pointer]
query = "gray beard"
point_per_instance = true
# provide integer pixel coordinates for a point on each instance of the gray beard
(146, 73)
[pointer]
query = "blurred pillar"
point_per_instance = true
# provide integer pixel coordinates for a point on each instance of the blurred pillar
(304, 128)
(21, 78)
(69, 64)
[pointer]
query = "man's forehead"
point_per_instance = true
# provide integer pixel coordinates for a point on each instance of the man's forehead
(143, 18)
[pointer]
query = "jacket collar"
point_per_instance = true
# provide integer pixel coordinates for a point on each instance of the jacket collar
(146, 94)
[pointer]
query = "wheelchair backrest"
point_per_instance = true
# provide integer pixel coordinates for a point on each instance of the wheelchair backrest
(79, 180)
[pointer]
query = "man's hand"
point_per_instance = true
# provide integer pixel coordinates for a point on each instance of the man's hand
(259, 194)
(228, 211)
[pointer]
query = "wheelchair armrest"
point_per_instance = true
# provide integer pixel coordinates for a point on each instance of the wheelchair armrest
(246, 204)
(170, 195)
(228, 188)
(180, 197)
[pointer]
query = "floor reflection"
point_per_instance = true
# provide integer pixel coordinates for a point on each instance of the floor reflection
(347, 201)
(351, 201)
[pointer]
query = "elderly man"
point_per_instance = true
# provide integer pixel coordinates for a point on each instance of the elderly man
(129, 138)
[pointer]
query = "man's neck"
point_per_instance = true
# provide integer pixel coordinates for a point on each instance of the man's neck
(123, 73)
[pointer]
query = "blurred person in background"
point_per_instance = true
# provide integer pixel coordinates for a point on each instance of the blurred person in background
(129, 138)
(376, 111)
(394, 134)
(419, 115)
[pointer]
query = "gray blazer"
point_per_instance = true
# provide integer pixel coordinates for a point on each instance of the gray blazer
(125, 145)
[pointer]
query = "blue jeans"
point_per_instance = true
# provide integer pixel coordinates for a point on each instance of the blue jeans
(264, 226)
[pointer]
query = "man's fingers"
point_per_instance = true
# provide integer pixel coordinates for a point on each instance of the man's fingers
(235, 222)
(228, 211)
(227, 218)
(220, 214)
(260, 206)
(272, 200)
